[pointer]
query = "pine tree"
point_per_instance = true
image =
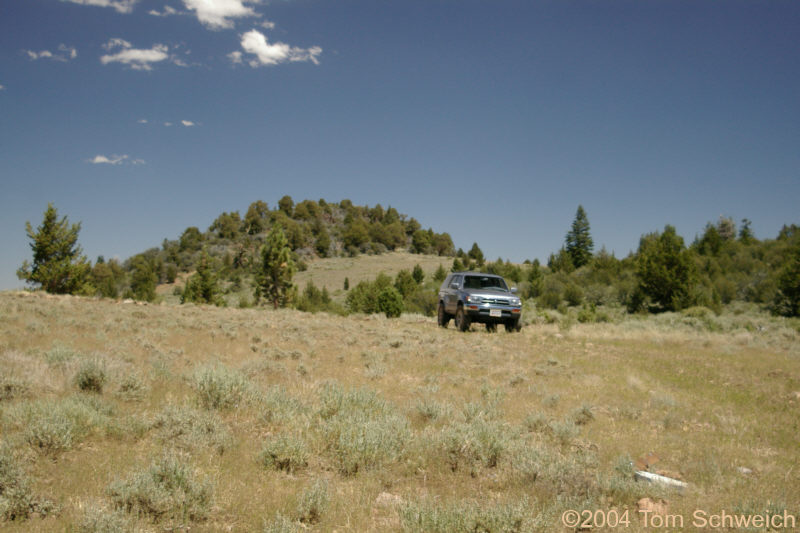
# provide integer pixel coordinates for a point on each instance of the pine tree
(274, 280)
(578, 242)
(418, 274)
(202, 287)
(58, 264)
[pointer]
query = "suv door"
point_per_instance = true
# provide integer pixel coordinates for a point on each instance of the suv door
(451, 294)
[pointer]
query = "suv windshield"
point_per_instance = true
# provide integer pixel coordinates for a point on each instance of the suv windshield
(485, 282)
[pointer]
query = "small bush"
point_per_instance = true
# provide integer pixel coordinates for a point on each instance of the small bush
(91, 376)
(169, 489)
(429, 517)
(281, 524)
(390, 302)
(287, 453)
(220, 388)
(132, 388)
(360, 430)
(17, 501)
(52, 427)
(12, 388)
(466, 445)
(189, 428)
(101, 520)
(313, 503)
(582, 415)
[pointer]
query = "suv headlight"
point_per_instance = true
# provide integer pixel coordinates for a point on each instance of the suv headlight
(515, 301)
(474, 299)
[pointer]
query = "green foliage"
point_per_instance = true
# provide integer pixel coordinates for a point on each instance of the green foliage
(17, 501)
(227, 225)
(91, 376)
(274, 277)
(188, 429)
(220, 388)
(440, 274)
(203, 286)
(787, 299)
(665, 269)
(256, 218)
(285, 452)
(430, 517)
(363, 298)
(101, 520)
(167, 490)
(313, 300)
(578, 242)
(107, 277)
(58, 264)
(561, 262)
(476, 254)
(191, 240)
(390, 302)
(286, 204)
(313, 502)
(360, 430)
(143, 278)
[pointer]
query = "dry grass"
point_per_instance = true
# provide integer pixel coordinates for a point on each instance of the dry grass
(284, 421)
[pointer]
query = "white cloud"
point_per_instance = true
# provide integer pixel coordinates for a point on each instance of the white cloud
(65, 53)
(217, 14)
(115, 160)
(254, 42)
(142, 121)
(137, 59)
(188, 123)
(168, 124)
(167, 12)
(268, 24)
(2, 87)
(122, 6)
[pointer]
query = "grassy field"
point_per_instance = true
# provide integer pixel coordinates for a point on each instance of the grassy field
(126, 417)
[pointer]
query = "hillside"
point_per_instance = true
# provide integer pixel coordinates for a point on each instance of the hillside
(288, 421)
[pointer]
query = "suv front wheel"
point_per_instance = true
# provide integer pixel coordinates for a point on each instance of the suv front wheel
(462, 320)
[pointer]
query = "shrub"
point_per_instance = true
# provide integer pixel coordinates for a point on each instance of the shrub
(287, 453)
(91, 376)
(479, 442)
(313, 503)
(17, 501)
(219, 387)
(101, 520)
(11, 388)
(360, 430)
(281, 524)
(428, 517)
(168, 489)
(132, 388)
(189, 428)
(52, 427)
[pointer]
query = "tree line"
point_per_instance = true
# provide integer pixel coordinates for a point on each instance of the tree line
(266, 247)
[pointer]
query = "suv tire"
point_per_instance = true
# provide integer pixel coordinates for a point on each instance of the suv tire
(513, 325)
(442, 317)
(491, 327)
(462, 320)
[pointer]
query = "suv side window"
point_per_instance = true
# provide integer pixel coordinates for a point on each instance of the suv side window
(455, 281)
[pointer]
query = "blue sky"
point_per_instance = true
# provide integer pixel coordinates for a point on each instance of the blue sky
(491, 120)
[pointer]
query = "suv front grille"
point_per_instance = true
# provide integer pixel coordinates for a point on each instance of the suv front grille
(496, 301)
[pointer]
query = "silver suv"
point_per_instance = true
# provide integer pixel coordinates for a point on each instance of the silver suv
(476, 297)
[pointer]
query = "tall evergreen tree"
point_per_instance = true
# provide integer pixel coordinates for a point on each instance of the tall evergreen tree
(274, 279)
(578, 242)
(59, 265)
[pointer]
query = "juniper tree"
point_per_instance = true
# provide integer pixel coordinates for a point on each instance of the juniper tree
(59, 265)
(578, 242)
(274, 278)
(203, 287)
(665, 269)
